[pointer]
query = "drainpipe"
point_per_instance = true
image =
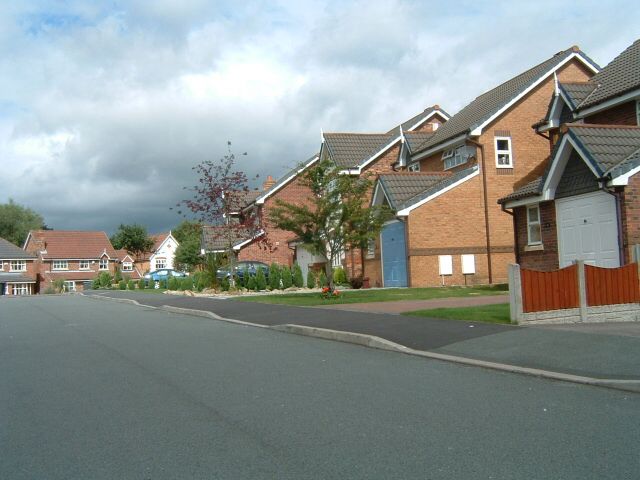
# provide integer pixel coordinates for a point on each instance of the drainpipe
(486, 207)
(618, 198)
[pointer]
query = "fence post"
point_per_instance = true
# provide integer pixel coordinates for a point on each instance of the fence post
(635, 253)
(582, 291)
(515, 293)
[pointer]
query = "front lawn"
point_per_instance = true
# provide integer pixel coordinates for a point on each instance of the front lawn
(496, 313)
(375, 295)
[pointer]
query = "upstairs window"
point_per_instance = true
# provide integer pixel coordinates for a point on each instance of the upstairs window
(18, 266)
(534, 232)
(504, 157)
(414, 167)
(161, 263)
(104, 264)
(60, 265)
(371, 248)
(454, 157)
(127, 266)
(84, 264)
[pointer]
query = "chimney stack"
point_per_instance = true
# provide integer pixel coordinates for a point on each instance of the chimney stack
(268, 183)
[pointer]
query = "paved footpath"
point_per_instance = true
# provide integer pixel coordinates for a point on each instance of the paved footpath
(593, 353)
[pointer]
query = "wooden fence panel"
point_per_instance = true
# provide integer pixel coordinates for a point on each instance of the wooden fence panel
(611, 286)
(549, 290)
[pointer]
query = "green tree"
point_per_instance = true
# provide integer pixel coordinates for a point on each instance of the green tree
(311, 279)
(187, 256)
(261, 282)
(187, 230)
(105, 280)
(274, 276)
(335, 218)
(141, 284)
(117, 276)
(287, 281)
(339, 276)
(298, 281)
(16, 221)
(133, 238)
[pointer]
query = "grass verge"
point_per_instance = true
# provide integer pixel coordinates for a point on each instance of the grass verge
(383, 295)
(496, 313)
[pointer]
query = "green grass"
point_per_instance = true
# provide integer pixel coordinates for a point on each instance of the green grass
(497, 313)
(385, 295)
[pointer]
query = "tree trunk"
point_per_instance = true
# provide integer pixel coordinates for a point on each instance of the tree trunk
(328, 270)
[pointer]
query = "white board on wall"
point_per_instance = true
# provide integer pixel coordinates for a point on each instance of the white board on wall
(446, 264)
(468, 264)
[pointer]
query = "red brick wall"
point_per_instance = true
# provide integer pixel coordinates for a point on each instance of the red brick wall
(31, 272)
(532, 257)
(630, 213)
(293, 192)
(624, 114)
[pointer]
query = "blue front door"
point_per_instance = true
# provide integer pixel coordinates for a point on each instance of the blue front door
(394, 255)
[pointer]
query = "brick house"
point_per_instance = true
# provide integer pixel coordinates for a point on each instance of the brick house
(586, 204)
(18, 270)
(128, 265)
(448, 227)
(74, 257)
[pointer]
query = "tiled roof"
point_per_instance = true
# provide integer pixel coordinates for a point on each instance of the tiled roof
(415, 139)
(402, 186)
(576, 91)
(123, 254)
(621, 75)
(214, 238)
(9, 251)
(157, 238)
(436, 187)
(491, 102)
(408, 124)
(59, 244)
(16, 277)
(607, 146)
(348, 150)
(530, 189)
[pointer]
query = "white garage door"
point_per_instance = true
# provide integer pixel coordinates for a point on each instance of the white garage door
(588, 230)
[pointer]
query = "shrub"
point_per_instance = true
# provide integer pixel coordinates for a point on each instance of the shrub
(105, 280)
(117, 277)
(58, 286)
(311, 279)
(251, 283)
(122, 285)
(356, 282)
(339, 276)
(49, 290)
(274, 276)
(243, 282)
(224, 284)
(200, 281)
(96, 283)
(172, 284)
(261, 282)
(323, 279)
(287, 280)
(296, 274)
(141, 284)
(162, 283)
(186, 283)
(131, 285)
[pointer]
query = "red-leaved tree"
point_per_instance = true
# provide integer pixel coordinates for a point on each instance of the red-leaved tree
(222, 202)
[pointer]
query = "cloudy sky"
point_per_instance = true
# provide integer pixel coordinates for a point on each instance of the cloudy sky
(106, 106)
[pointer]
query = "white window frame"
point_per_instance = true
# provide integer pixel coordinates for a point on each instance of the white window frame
(20, 289)
(84, 265)
(414, 167)
(371, 249)
(531, 224)
(69, 286)
(500, 152)
(163, 265)
(60, 265)
(104, 264)
(18, 266)
(127, 266)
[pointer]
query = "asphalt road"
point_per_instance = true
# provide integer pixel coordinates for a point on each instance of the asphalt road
(93, 390)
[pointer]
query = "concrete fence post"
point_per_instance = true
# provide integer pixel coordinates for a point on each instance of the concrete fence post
(515, 293)
(635, 253)
(582, 291)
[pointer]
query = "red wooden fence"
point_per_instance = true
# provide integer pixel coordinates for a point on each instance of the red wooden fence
(610, 286)
(549, 290)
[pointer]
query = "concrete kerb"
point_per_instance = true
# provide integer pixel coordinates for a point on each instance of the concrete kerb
(372, 341)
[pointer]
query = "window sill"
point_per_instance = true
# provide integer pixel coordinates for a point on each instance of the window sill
(534, 248)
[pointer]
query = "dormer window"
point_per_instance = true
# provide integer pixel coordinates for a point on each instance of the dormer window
(414, 167)
(104, 264)
(454, 157)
